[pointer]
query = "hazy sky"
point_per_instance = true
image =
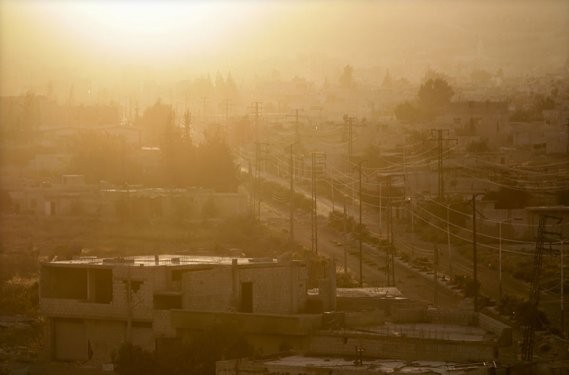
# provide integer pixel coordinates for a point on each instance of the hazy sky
(44, 39)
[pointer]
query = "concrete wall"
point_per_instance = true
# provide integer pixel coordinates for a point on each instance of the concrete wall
(277, 289)
(288, 325)
(92, 339)
(162, 324)
(138, 301)
(368, 318)
(267, 334)
(455, 317)
(502, 331)
(208, 290)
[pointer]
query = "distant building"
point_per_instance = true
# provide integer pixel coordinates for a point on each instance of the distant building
(72, 196)
(484, 119)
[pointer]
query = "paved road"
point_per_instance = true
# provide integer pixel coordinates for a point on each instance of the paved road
(407, 242)
(412, 284)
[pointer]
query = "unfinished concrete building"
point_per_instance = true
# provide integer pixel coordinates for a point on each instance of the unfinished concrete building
(93, 305)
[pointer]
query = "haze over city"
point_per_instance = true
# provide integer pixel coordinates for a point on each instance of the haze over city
(300, 187)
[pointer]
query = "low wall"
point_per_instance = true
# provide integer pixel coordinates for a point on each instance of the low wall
(248, 323)
(401, 348)
(455, 317)
(502, 331)
(368, 318)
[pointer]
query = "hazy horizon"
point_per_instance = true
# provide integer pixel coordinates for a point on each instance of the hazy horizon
(172, 41)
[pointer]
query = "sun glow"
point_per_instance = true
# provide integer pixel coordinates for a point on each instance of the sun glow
(153, 29)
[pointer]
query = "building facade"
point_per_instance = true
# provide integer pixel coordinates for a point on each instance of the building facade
(93, 305)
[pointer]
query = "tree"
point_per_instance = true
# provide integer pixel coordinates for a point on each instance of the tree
(216, 168)
(179, 161)
(154, 121)
(407, 113)
(434, 94)
(101, 157)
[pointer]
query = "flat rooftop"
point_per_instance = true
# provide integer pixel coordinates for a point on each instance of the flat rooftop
(436, 331)
(369, 292)
(162, 260)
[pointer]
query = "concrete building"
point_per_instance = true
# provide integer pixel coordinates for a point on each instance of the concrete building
(93, 305)
(72, 196)
(68, 196)
(485, 119)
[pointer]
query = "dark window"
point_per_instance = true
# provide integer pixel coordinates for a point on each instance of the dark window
(64, 282)
(136, 324)
(167, 301)
(101, 285)
(246, 297)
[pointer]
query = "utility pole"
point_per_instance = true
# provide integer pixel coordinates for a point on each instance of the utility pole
(261, 150)
(291, 161)
(440, 138)
(253, 185)
(567, 146)
(405, 171)
(436, 277)
(448, 243)
(360, 231)
(529, 330)
(500, 260)
(296, 124)
(440, 164)
(333, 201)
(390, 262)
(380, 208)
(345, 235)
(256, 113)
(318, 165)
(562, 296)
(349, 121)
(474, 253)
(296, 127)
